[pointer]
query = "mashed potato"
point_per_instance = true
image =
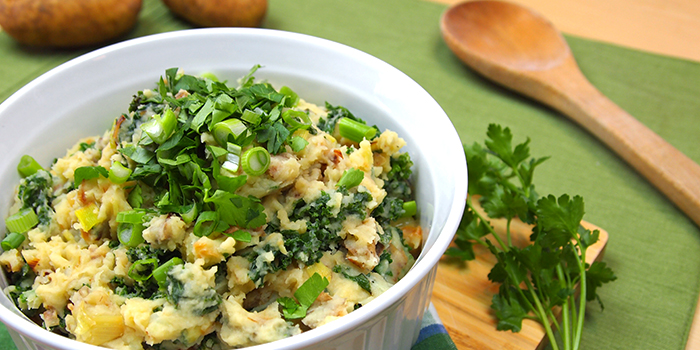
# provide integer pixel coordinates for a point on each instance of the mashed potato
(214, 217)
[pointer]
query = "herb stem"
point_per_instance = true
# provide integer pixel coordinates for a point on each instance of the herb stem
(581, 261)
(565, 320)
(490, 228)
(542, 314)
(508, 235)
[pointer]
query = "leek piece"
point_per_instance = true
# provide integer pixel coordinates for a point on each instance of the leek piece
(88, 216)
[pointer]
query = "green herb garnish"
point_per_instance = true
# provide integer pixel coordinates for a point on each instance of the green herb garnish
(305, 295)
(543, 275)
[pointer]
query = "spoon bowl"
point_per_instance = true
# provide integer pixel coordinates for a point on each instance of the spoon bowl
(508, 36)
(521, 50)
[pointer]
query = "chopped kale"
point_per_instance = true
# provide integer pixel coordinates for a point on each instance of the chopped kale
(398, 190)
(335, 113)
(145, 287)
(35, 191)
(383, 268)
(322, 229)
(361, 279)
(22, 280)
(260, 266)
(137, 289)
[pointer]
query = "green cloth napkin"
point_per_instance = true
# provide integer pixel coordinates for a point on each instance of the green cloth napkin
(653, 247)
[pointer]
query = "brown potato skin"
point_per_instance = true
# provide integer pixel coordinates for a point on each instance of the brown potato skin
(220, 13)
(67, 23)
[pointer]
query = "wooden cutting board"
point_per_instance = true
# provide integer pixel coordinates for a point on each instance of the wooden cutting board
(462, 297)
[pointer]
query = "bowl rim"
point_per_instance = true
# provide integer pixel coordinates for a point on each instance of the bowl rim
(418, 272)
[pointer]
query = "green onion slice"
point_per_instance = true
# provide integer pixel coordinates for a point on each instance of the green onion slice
(296, 119)
(252, 117)
(28, 166)
(227, 129)
(233, 158)
(354, 130)
(131, 216)
(159, 129)
(130, 234)
(351, 178)
(22, 221)
(160, 274)
(142, 270)
(12, 241)
(206, 223)
(118, 173)
(169, 122)
(256, 161)
(189, 213)
(292, 99)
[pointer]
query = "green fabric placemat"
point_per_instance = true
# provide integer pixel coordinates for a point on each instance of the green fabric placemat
(653, 247)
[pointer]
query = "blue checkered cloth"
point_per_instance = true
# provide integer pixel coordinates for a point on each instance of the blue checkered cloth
(433, 335)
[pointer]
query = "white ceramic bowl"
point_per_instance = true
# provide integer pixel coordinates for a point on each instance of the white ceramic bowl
(83, 96)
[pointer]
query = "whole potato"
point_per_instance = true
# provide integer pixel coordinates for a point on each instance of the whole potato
(67, 23)
(220, 13)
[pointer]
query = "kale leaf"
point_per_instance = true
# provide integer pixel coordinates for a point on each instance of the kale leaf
(35, 192)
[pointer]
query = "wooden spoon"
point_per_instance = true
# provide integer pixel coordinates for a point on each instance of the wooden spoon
(521, 50)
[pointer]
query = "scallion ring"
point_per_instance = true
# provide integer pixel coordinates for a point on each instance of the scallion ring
(118, 173)
(255, 161)
(206, 223)
(160, 274)
(296, 119)
(291, 97)
(228, 129)
(189, 213)
(252, 117)
(28, 166)
(22, 221)
(12, 241)
(354, 130)
(130, 234)
(142, 270)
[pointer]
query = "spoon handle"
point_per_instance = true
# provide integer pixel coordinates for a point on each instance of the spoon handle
(672, 172)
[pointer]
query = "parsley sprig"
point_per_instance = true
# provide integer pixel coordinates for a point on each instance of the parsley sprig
(542, 277)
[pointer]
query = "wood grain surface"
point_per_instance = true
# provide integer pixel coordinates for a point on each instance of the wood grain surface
(462, 297)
